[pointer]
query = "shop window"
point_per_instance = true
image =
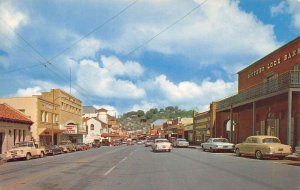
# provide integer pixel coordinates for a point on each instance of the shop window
(56, 118)
(92, 127)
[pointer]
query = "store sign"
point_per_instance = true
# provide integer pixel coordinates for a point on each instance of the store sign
(275, 62)
(70, 129)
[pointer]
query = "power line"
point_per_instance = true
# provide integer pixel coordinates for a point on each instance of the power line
(167, 28)
(95, 29)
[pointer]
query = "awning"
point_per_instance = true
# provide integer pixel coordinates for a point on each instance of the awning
(46, 131)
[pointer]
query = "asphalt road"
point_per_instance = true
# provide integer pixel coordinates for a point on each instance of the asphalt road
(136, 167)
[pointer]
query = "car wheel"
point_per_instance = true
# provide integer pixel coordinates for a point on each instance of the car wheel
(237, 152)
(42, 154)
(258, 155)
(28, 156)
(211, 149)
(203, 148)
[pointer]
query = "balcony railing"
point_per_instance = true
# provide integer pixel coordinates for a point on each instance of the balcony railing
(287, 80)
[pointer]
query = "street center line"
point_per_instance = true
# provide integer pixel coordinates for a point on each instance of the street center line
(123, 160)
(111, 169)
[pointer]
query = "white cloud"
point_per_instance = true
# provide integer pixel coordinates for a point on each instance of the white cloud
(294, 8)
(29, 91)
(216, 30)
(100, 82)
(190, 94)
(143, 105)
(11, 20)
(116, 67)
(111, 110)
(291, 7)
(281, 8)
(87, 47)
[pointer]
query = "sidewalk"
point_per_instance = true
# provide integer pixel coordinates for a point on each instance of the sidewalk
(289, 157)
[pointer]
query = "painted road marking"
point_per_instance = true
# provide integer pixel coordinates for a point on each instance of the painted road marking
(111, 169)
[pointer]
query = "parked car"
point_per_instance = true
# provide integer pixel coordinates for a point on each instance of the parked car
(25, 150)
(148, 143)
(161, 145)
(217, 144)
(180, 143)
(81, 146)
(67, 146)
(263, 146)
(96, 144)
(53, 150)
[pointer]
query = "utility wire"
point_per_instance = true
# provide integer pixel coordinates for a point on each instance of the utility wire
(167, 28)
(94, 30)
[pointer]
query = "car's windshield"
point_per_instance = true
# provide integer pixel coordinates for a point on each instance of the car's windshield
(181, 140)
(161, 140)
(21, 144)
(220, 140)
(271, 140)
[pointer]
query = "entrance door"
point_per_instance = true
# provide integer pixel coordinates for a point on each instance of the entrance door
(1, 142)
(272, 125)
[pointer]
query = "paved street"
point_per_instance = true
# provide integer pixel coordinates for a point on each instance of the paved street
(136, 167)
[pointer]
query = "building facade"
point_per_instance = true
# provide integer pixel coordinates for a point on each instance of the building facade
(56, 116)
(268, 99)
(204, 124)
(14, 127)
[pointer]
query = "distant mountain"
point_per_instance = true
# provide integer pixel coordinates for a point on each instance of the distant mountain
(135, 120)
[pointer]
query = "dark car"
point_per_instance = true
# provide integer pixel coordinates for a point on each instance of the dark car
(96, 145)
(53, 150)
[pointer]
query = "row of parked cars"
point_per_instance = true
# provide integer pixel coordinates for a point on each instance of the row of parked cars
(27, 150)
(258, 146)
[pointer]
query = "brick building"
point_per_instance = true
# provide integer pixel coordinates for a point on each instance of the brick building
(268, 99)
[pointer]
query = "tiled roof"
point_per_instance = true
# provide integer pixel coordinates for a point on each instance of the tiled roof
(9, 114)
(88, 109)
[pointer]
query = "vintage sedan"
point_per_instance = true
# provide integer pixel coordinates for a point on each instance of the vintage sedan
(180, 143)
(263, 146)
(53, 150)
(217, 144)
(161, 145)
(149, 143)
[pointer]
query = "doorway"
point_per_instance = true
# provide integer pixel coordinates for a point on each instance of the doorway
(1, 142)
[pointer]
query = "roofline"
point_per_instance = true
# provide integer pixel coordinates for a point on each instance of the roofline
(297, 38)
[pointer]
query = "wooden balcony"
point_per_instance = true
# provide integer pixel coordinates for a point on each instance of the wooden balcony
(282, 83)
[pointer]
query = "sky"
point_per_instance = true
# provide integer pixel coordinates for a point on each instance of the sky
(128, 55)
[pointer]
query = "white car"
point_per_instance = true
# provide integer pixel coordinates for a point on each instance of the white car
(217, 144)
(180, 143)
(161, 145)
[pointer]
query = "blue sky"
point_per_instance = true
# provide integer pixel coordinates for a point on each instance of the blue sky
(189, 65)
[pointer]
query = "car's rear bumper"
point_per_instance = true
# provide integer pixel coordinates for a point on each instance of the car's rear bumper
(276, 154)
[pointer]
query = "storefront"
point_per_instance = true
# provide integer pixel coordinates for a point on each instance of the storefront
(70, 133)
(268, 99)
(202, 126)
(189, 133)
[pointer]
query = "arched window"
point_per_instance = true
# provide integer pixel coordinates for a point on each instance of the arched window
(92, 127)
